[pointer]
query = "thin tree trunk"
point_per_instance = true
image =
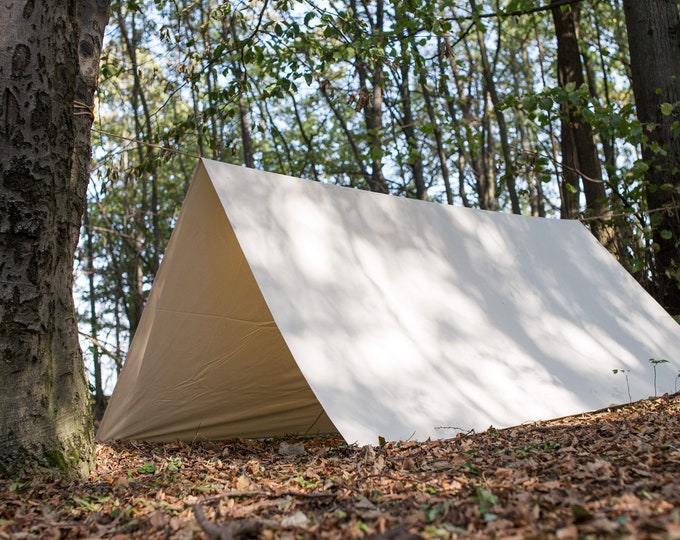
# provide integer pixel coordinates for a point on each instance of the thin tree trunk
(554, 145)
(509, 174)
(415, 159)
(99, 399)
(484, 187)
(230, 32)
(246, 139)
(306, 138)
(283, 159)
(570, 187)
(371, 102)
(146, 153)
(356, 152)
(582, 158)
(139, 179)
(441, 151)
(534, 182)
(487, 159)
(608, 143)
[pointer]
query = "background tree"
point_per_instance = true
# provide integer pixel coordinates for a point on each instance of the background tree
(579, 152)
(472, 103)
(467, 103)
(654, 40)
(49, 58)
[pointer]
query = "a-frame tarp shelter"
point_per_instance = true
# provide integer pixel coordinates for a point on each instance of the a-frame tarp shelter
(290, 306)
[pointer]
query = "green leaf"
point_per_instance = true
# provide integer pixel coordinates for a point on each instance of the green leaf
(433, 512)
(666, 109)
(546, 103)
(640, 167)
(666, 234)
(147, 468)
(485, 500)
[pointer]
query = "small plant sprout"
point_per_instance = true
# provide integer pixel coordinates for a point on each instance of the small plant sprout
(625, 373)
(486, 500)
(655, 363)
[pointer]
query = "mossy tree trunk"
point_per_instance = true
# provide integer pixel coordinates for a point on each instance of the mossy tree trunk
(49, 60)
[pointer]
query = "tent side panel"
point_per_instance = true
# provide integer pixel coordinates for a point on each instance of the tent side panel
(208, 361)
(412, 320)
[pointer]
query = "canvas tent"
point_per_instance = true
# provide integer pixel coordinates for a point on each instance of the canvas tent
(289, 306)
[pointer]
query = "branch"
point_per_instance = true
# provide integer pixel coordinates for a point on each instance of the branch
(257, 26)
(104, 348)
(233, 530)
(555, 3)
(265, 493)
(517, 13)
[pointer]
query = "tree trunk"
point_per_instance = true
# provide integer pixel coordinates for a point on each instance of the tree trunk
(49, 58)
(570, 187)
(654, 42)
(136, 192)
(486, 187)
(371, 99)
(490, 83)
(437, 131)
(99, 399)
(311, 159)
(579, 152)
(408, 124)
(324, 86)
(143, 132)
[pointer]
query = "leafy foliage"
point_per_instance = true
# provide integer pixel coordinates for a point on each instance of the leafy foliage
(395, 96)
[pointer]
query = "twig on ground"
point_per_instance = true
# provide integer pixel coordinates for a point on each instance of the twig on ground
(269, 494)
(233, 530)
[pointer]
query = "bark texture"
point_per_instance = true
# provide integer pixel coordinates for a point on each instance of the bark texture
(509, 176)
(654, 42)
(49, 58)
(370, 99)
(579, 151)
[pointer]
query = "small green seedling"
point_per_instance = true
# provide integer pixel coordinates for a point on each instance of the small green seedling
(485, 501)
(655, 363)
(147, 468)
(625, 372)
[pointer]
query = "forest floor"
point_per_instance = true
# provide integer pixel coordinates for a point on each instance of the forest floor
(608, 474)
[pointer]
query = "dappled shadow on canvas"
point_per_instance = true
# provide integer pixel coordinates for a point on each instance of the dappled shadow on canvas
(411, 319)
(284, 305)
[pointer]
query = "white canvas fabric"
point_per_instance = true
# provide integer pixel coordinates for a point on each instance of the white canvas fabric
(289, 306)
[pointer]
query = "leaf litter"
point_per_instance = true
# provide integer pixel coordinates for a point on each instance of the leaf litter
(614, 473)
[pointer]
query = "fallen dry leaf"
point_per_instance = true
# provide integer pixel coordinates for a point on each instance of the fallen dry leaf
(613, 473)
